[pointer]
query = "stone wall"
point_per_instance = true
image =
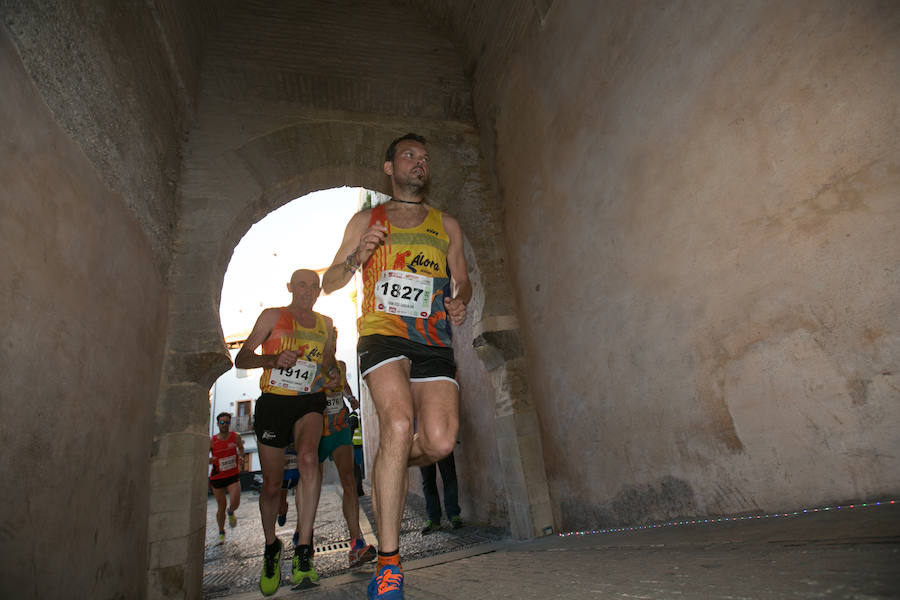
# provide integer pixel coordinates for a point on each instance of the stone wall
(696, 202)
(120, 78)
(701, 208)
(84, 309)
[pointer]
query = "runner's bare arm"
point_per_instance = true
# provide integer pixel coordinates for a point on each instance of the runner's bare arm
(329, 363)
(240, 444)
(348, 393)
(359, 240)
(247, 358)
(459, 273)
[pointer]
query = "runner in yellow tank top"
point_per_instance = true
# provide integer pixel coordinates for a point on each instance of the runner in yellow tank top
(393, 278)
(298, 362)
(337, 444)
(309, 344)
(416, 285)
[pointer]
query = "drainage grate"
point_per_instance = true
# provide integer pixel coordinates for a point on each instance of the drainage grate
(336, 547)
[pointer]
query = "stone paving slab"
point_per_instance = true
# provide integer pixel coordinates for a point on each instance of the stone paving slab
(853, 555)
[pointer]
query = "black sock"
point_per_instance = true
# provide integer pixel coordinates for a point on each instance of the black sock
(394, 553)
(273, 547)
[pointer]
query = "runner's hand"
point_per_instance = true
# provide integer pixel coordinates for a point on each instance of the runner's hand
(373, 237)
(456, 309)
(286, 359)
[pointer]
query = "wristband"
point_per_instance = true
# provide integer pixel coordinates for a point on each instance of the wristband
(351, 263)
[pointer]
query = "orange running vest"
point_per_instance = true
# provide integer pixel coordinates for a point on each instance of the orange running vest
(288, 334)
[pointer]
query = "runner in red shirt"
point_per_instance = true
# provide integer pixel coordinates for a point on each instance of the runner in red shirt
(227, 450)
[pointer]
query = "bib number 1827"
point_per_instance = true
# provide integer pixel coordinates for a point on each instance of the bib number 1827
(403, 293)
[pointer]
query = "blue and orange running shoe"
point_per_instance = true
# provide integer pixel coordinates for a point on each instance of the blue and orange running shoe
(361, 552)
(387, 584)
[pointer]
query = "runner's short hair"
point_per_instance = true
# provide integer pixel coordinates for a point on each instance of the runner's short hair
(392, 149)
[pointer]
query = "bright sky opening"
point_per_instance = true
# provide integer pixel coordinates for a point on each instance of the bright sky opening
(303, 234)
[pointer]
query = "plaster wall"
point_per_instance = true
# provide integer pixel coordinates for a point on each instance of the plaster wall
(702, 209)
(120, 77)
(84, 310)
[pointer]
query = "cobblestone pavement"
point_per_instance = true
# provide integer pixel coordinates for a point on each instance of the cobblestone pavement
(235, 566)
(850, 554)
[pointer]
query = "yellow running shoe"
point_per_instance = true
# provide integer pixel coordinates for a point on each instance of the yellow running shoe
(303, 573)
(271, 572)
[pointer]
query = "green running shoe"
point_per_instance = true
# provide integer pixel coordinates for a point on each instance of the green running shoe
(271, 573)
(430, 527)
(303, 573)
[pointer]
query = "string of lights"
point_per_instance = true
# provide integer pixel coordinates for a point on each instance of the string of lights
(702, 521)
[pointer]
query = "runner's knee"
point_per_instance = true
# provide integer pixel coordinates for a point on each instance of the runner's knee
(270, 487)
(348, 480)
(437, 448)
(306, 461)
(397, 427)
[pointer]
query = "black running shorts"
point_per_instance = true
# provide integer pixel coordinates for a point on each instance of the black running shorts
(426, 363)
(224, 482)
(275, 415)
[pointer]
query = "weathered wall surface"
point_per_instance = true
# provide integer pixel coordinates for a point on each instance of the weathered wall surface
(83, 308)
(700, 204)
(703, 217)
(119, 77)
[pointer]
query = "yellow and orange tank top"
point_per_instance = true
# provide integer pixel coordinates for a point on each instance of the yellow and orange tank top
(288, 334)
(335, 416)
(419, 250)
(338, 386)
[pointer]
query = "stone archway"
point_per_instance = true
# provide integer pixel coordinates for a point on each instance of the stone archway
(200, 118)
(235, 172)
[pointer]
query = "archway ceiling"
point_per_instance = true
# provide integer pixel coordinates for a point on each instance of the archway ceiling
(379, 58)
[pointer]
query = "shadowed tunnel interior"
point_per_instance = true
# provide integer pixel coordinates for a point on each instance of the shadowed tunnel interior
(681, 223)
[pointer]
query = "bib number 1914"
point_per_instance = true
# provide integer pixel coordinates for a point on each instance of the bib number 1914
(298, 378)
